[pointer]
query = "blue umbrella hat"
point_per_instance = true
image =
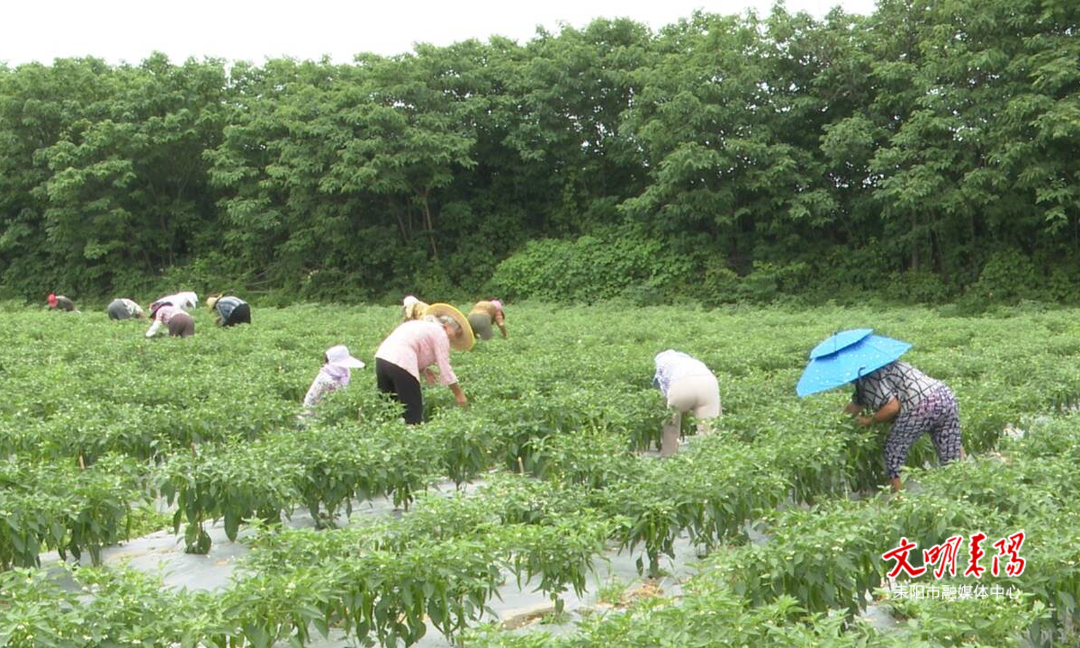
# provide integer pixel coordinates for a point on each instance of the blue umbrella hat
(845, 357)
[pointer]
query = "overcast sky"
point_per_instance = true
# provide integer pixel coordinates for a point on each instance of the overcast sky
(128, 30)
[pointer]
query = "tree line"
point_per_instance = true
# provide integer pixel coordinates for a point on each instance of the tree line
(925, 150)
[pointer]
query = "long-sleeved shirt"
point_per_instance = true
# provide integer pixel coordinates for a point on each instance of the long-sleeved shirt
(897, 380)
(63, 303)
(163, 316)
(181, 300)
(672, 365)
(226, 305)
(494, 314)
(487, 308)
(326, 381)
(123, 309)
(415, 346)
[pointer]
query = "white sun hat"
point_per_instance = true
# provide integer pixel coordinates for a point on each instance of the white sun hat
(339, 355)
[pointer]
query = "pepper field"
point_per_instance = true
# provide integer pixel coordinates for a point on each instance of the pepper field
(106, 436)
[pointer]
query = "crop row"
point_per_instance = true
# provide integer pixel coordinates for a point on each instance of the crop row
(444, 559)
(64, 508)
(816, 561)
(442, 563)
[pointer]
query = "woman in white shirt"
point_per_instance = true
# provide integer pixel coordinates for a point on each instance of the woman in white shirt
(185, 300)
(688, 386)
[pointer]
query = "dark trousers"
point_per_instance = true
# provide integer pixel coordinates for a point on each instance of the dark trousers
(392, 379)
(240, 315)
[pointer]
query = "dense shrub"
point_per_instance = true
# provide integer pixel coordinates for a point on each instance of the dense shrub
(590, 268)
(1007, 277)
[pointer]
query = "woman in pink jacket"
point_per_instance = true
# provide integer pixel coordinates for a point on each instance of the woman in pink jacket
(413, 348)
(178, 322)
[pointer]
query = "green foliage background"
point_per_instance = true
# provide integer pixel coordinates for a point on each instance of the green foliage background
(925, 152)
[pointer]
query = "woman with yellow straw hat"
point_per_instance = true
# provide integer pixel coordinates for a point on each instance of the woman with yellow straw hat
(230, 310)
(413, 347)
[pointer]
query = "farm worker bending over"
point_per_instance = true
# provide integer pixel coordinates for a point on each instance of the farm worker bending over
(334, 374)
(122, 309)
(916, 404)
(59, 302)
(180, 300)
(483, 315)
(412, 308)
(416, 345)
(177, 321)
(230, 310)
(689, 386)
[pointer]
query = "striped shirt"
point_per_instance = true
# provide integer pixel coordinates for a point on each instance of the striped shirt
(417, 345)
(672, 365)
(897, 380)
(226, 305)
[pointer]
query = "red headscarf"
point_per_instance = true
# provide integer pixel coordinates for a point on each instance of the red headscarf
(52, 300)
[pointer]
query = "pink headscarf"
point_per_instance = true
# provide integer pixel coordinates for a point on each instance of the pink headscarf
(497, 304)
(52, 300)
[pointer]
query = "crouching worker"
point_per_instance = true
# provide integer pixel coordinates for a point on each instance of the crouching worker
(178, 322)
(483, 315)
(688, 386)
(334, 375)
(230, 310)
(916, 404)
(122, 309)
(59, 302)
(413, 347)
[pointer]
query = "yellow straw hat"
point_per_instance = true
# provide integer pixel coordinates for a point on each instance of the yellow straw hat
(212, 300)
(465, 341)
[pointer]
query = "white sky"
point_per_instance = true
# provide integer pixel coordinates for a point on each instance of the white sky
(128, 30)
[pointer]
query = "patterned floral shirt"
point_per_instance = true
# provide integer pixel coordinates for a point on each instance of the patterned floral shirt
(324, 383)
(895, 380)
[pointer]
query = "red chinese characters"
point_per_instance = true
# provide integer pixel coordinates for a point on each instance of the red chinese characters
(975, 554)
(945, 554)
(900, 555)
(1010, 546)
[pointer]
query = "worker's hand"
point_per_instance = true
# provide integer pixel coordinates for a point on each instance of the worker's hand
(865, 421)
(852, 408)
(430, 377)
(461, 400)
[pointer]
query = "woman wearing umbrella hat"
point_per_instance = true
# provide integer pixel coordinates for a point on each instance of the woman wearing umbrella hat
(915, 403)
